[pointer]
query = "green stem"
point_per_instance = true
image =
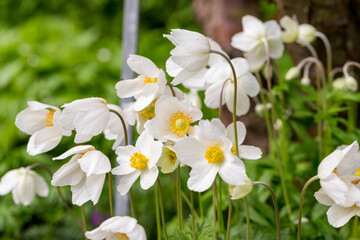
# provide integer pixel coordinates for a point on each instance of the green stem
(110, 195)
(158, 224)
(301, 201)
(192, 214)
(162, 209)
(201, 206)
(84, 219)
(229, 219)
(219, 211)
(123, 124)
(178, 196)
(171, 88)
(186, 199)
(247, 219)
(133, 214)
(214, 208)
(275, 206)
(62, 198)
(355, 227)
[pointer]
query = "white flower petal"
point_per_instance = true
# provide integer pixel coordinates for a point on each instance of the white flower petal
(148, 177)
(329, 163)
(253, 26)
(323, 198)
(142, 65)
(249, 83)
(26, 189)
(276, 48)
(94, 162)
(241, 132)
(335, 188)
(69, 174)
(338, 216)
(126, 182)
(74, 150)
(81, 138)
(189, 151)
(256, 57)
(30, 121)
(243, 42)
(242, 103)
(249, 152)
(41, 187)
(233, 172)
(273, 30)
(129, 87)
(201, 178)
(9, 181)
(44, 140)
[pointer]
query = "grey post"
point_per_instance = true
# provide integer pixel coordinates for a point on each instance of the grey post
(129, 42)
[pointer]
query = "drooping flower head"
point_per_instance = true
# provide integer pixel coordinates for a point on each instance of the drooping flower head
(172, 119)
(41, 121)
(253, 39)
(168, 161)
(221, 74)
(89, 117)
(150, 82)
(138, 161)
(303, 33)
(209, 152)
(118, 228)
(85, 173)
(191, 53)
(24, 183)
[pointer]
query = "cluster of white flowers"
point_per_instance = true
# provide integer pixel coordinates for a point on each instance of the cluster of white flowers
(172, 132)
(339, 175)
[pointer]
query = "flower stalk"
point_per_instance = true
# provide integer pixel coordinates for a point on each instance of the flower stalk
(162, 209)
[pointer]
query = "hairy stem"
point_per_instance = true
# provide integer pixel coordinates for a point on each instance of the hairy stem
(162, 209)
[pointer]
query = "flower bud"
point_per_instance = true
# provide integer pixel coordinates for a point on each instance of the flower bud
(307, 34)
(351, 83)
(339, 83)
(241, 191)
(292, 73)
(305, 81)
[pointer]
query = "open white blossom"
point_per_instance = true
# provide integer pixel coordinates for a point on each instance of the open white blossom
(146, 86)
(24, 183)
(89, 117)
(335, 169)
(220, 77)
(85, 173)
(208, 152)
(191, 53)
(118, 228)
(139, 161)
(172, 119)
(41, 121)
(253, 39)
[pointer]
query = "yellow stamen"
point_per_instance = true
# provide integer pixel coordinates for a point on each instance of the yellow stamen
(138, 161)
(180, 123)
(148, 80)
(214, 154)
(149, 111)
(86, 151)
(355, 181)
(335, 171)
(103, 102)
(122, 236)
(50, 117)
(357, 174)
(172, 156)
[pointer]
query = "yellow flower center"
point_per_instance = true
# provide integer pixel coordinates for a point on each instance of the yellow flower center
(148, 80)
(335, 171)
(149, 111)
(172, 157)
(50, 117)
(180, 123)
(357, 174)
(122, 236)
(138, 161)
(214, 154)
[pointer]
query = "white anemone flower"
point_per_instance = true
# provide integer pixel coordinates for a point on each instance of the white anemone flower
(208, 152)
(138, 161)
(146, 86)
(253, 39)
(24, 183)
(168, 161)
(120, 228)
(172, 119)
(195, 80)
(89, 117)
(220, 77)
(191, 53)
(303, 33)
(335, 169)
(241, 191)
(41, 121)
(85, 173)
